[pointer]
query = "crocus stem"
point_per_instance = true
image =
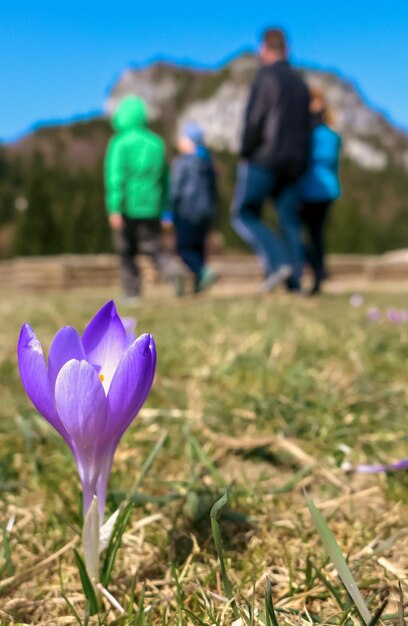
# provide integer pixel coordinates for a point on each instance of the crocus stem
(90, 545)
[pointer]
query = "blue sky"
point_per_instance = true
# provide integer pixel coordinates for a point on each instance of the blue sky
(57, 59)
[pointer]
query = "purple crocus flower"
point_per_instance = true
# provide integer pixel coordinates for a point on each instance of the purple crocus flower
(92, 390)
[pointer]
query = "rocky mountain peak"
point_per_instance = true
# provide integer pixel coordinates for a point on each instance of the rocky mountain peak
(216, 100)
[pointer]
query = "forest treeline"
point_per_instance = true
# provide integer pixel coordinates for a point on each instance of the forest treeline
(50, 205)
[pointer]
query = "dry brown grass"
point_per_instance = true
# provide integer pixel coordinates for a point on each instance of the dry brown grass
(269, 396)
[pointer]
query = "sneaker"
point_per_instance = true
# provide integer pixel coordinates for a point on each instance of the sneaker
(285, 271)
(275, 278)
(207, 278)
(315, 290)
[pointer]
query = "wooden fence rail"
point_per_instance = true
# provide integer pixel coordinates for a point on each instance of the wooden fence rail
(68, 271)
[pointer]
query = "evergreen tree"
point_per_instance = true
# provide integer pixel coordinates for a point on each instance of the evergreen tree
(36, 230)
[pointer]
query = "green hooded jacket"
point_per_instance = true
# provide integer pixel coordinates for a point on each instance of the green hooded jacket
(135, 165)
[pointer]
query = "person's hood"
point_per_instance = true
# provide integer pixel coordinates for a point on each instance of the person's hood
(194, 132)
(130, 113)
(203, 153)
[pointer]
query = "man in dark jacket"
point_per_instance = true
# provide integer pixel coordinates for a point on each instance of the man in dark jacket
(273, 156)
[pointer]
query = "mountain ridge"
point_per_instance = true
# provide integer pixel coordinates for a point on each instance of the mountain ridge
(220, 108)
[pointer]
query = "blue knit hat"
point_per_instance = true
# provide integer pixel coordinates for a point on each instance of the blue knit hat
(194, 132)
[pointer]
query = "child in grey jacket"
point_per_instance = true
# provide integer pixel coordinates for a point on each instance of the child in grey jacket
(193, 202)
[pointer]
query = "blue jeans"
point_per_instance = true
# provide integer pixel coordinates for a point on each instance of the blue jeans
(254, 185)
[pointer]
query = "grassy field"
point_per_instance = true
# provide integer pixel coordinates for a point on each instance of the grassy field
(269, 395)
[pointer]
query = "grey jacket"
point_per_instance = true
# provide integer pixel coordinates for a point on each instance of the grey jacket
(193, 186)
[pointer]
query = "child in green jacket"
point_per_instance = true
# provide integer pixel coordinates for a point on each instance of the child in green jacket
(135, 182)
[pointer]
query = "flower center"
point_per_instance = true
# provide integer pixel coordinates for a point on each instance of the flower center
(101, 377)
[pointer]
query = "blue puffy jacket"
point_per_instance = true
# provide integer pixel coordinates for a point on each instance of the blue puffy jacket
(320, 182)
(193, 186)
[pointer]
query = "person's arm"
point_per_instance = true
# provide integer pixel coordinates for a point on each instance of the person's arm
(114, 183)
(214, 189)
(177, 181)
(165, 187)
(257, 108)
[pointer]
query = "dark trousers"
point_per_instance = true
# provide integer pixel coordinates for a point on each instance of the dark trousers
(141, 236)
(254, 185)
(314, 217)
(190, 242)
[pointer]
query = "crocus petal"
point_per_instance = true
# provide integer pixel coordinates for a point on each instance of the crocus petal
(81, 404)
(34, 377)
(153, 351)
(131, 384)
(391, 467)
(66, 345)
(104, 341)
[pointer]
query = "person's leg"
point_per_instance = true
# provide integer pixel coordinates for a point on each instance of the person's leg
(164, 261)
(207, 275)
(254, 185)
(125, 245)
(188, 242)
(315, 215)
(287, 208)
(319, 239)
(202, 230)
(306, 215)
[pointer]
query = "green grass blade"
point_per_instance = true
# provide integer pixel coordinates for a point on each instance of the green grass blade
(147, 465)
(87, 586)
(338, 559)
(71, 608)
(206, 461)
(179, 594)
(131, 603)
(194, 618)
(115, 541)
(88, 613)
(401, 604)
(378, 613)
(124, 515)
(65, 598)
(270, 616)
(330, 587)
(216, 532)
(140, 613)
(8, 567)
(396, 618)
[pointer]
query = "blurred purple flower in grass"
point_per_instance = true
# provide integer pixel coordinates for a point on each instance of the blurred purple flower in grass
(92, 390)
(388, 467)
(397, 316)
(356, 300)
(374, 314)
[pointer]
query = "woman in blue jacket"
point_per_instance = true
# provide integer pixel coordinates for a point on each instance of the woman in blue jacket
(193, 202)
(320, 186)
